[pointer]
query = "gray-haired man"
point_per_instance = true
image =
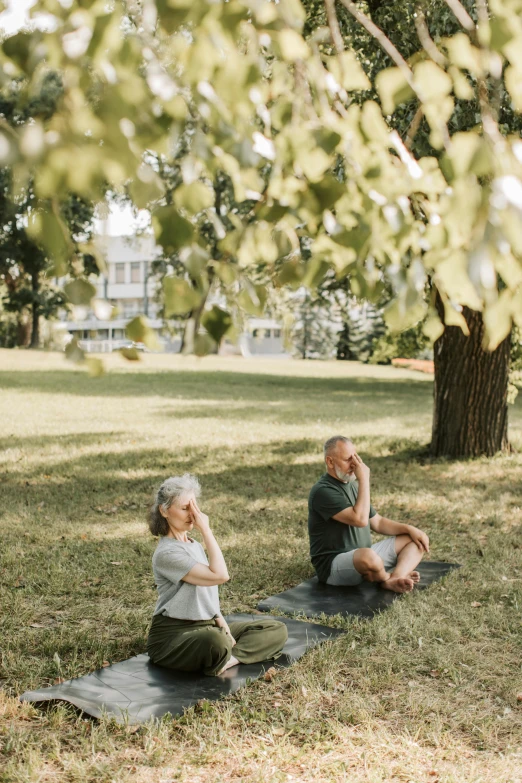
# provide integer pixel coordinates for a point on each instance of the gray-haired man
(340, 520)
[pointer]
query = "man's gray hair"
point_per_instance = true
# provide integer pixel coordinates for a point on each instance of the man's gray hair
(332, 442)
(171, 489)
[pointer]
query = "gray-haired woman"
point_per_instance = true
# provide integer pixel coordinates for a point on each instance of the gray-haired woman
(188, 631)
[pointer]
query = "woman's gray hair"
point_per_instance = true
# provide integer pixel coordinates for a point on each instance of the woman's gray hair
(171, 489)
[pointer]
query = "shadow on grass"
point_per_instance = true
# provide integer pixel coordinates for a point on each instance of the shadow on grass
(212, 385)
(41, 442)
(259, 472)
(74, 557)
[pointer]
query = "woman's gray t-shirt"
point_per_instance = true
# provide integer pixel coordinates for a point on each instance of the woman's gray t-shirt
(171, 561)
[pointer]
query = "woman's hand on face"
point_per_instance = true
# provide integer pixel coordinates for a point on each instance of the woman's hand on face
(199, 519)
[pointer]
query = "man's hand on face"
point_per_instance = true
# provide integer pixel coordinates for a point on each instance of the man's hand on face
(362, 471)
(420, 538)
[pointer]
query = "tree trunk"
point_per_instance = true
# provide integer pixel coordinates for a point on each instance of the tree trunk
(470, 416)
(35, 315)
(23, 332)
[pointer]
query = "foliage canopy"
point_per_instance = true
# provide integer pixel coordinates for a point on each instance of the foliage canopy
(321, 177)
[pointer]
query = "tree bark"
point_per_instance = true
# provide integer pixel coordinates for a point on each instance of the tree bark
(35, 315)
(470, 416)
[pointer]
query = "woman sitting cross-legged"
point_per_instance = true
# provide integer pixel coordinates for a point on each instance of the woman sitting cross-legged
(188, 631)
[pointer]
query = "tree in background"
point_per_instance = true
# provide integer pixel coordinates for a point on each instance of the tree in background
(363, 325)
(410, 344)
(314, 335)
(28, 292)
(466, 420)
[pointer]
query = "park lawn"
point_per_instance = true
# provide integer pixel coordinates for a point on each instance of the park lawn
(426, 691)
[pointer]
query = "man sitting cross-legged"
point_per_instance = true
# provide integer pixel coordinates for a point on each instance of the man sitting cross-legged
(340, 518)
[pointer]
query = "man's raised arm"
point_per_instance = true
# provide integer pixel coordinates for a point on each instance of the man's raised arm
(358, 514)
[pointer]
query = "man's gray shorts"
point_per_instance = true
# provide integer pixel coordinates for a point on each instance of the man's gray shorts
(343, 571)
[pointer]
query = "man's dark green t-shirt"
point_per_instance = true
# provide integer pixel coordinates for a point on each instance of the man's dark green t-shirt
(329, 538)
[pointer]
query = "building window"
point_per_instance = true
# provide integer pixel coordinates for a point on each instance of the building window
(120, 273)
(135, 272)
(132, 307)
(277, 333)
(129, 309)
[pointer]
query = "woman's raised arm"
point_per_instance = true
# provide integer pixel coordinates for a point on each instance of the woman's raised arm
(216, 573)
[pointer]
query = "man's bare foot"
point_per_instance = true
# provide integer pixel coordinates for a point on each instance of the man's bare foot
(398, 584)
(414, 576)
(231, 662)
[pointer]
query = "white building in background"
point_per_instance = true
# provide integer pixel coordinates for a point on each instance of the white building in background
(130, 288)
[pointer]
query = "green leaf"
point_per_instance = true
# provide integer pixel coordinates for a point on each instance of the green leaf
(433, 328)
(172, 231)
(327, 139)
(73, 352)
(180, 297)
(252, 299)
(132, 354)
(313, 163)
(432, 82)
(327, 191)
(232, 13)
(176, 107)
(226, 272)
(18, 49)
(79, 291)
(500, 32)
(348, 72)
(217, 322)
(293, 46)
(204, 344)
(194, 197)
(468, 153)
(172, 13)
(372, 123)
(463, 54)
(316, 270)
(146, 188)
(139, 331)
(393, 89)
(95, 367)
(398, 317)
(513, 80)
(497, 320)
(195, 260)
(355, 238)
(516, 307)
(50, 231)
(291, 273)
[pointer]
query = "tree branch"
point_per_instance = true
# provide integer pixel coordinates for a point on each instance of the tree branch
(425, 38)
(333, 24)
(461, 15)
(414, 127)
(489, 118)
(382, 39)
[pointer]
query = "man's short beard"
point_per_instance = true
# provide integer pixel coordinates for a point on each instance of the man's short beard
(348, 478)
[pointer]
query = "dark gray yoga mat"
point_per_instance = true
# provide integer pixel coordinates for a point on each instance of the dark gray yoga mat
(135, 690)
(312, 598)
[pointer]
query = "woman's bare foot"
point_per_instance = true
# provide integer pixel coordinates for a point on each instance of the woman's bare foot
(398, 584)
(414, 576)
(231, 662)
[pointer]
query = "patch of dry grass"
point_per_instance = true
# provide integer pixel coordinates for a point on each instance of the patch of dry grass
(425, 692)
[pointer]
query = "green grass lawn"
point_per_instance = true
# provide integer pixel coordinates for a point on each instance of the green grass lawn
(427, 691)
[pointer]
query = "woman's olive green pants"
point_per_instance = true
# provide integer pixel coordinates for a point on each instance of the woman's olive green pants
(201, 645)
